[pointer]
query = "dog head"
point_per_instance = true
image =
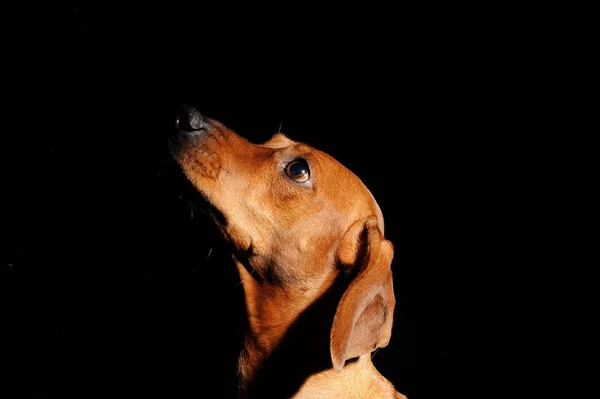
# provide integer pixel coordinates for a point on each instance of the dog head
(296, 216)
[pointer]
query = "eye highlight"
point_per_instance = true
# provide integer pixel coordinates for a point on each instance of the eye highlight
(298, 170)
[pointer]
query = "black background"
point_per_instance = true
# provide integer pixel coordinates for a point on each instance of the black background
(452, 117)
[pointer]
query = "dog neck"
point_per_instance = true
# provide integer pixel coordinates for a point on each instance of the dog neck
(285, 352)
(270, 314)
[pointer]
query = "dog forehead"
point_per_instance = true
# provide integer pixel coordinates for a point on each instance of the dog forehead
(279, 140)
(332, 178)
(281, 143)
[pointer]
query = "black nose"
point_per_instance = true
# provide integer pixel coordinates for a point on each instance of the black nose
(190, 119)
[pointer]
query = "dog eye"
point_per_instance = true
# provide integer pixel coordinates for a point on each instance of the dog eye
(298, 170)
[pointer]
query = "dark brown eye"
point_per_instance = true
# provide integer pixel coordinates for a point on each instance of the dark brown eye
(298, 170)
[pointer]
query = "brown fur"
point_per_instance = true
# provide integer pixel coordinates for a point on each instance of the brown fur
(313, 261)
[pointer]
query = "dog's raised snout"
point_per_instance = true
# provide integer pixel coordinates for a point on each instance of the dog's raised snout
(190, 119)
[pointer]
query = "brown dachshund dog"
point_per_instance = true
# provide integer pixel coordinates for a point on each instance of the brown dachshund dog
(307, 239)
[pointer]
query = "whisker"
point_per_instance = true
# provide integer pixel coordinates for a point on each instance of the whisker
(164, 170)
(209, 252)
(242, 280)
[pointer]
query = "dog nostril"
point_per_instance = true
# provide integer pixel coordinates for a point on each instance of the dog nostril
(183, 121)
(189, 119)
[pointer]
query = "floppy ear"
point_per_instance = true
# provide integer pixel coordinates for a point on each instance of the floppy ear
(364, 315)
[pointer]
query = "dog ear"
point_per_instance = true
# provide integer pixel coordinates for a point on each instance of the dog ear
(364, 315)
